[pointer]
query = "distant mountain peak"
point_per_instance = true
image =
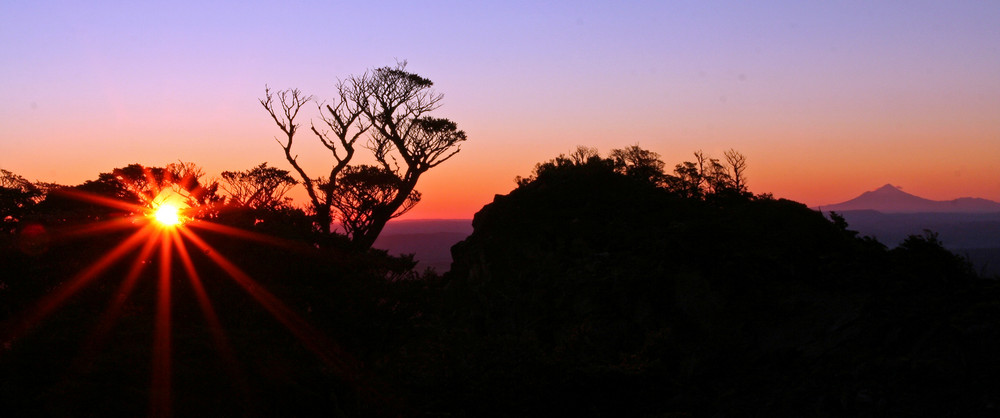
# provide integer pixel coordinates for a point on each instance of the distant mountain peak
(889, 191)
(892, 199)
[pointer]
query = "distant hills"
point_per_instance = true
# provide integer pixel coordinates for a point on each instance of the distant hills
(969, 226)
(430, 240)
(891, 199)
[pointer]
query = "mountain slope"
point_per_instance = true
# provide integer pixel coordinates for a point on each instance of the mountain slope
(890, 199)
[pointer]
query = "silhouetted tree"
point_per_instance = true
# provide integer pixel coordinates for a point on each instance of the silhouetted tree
(148, 183)
(17, 197)
(639, 163)
(925, 256)
(261, 187)
(320, 190)
(709, 176)
(393, 106)
(582, 158)
(134, 184)
(10, 180)
(581, 155)
(686, 180)
(737, 167)
(182, 180)
(363, 190)
(702, 178)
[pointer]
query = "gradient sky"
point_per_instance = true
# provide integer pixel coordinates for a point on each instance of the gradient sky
(826, 99)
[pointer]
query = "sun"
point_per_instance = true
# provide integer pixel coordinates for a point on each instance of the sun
(167, 215)
(166, 223)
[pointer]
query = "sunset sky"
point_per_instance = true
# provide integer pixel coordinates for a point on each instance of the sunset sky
(826, 99)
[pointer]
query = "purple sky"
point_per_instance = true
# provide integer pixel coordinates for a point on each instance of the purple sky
(827, 99)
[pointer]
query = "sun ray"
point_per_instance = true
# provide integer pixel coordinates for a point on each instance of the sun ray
(154, 186)
(92, 228)
(101, 200)
(110, 316)
(244, 234)
(160, 404)
(199, 290)
(311, 338)
(161, 224)
(222, 345)
(53, 301)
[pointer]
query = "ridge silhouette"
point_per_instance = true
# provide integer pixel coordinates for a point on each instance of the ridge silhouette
(600, 286)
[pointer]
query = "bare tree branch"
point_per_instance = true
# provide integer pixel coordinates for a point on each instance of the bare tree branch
(290, 102)
(391, 105)
(737, 169)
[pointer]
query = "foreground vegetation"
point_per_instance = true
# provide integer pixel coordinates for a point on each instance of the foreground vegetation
(601, 286)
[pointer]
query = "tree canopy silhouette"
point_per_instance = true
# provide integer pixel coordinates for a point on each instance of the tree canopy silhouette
(260, 187)
(705, 177)
(392, 106)
(17, 197)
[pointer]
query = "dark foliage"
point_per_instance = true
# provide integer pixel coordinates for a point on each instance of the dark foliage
(261, 187)
(598, 287)
(590, 291)
(83, 360)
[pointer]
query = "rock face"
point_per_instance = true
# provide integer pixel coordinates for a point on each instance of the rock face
(715, 306)
(890, 199)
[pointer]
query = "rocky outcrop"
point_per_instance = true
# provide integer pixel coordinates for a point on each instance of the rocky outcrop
(745, 304)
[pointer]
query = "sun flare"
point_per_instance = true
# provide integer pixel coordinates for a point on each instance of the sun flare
(165, 224)
(167, 215)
